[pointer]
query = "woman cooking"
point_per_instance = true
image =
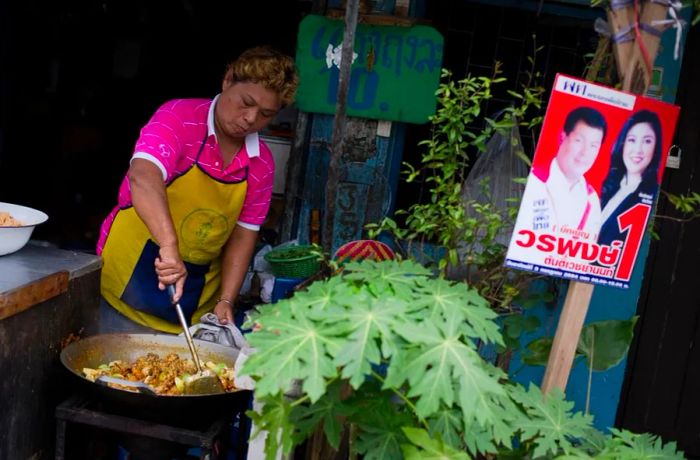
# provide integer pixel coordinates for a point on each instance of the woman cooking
(198, 188)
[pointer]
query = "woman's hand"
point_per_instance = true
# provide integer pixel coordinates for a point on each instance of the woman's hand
(224, 311)
(171, 270)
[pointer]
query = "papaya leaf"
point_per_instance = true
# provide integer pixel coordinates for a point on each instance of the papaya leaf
(328, 410)
(387, 275)
(550, 422)
(626, 445)
(448, 424)
(444, 369)
(365, 325)
(290, 346)
(379, 420)
(423, 447)
(456, 302)
(274, 419)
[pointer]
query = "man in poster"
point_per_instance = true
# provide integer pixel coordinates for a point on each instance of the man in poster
(564, 201)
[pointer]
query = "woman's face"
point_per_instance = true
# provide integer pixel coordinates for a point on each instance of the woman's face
(244, 108)
(638, 151)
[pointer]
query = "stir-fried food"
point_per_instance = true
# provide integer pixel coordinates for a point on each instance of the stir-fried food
(6, 220)
(167, 376)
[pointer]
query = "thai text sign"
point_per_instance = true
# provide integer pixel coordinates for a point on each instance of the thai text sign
(394, 74)
(593, 183)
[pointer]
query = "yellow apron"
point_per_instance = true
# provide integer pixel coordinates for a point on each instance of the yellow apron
(204, 212)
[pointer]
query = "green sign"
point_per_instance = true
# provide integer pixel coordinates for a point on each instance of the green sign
(394, 75)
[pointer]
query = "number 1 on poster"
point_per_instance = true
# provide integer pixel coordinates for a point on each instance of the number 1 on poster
(634, 220)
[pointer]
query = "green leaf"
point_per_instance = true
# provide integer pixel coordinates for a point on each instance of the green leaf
(275, 419)
(443, 369)
(605, 343)
(625, 445)
(423, 447)
(290, 346)
(537, 353)
(379, 420)
(365, 325)
(379, 443)
(478, 439)
(550, 422)
(448, 424)
(328, 410)
(456, 303)
(387, 275)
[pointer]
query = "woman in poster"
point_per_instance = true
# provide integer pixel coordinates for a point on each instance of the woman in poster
(633, 174)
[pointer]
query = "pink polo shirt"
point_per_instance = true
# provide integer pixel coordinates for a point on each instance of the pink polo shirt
(171, 140)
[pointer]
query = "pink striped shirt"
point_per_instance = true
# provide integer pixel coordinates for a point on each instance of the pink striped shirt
(171, 140)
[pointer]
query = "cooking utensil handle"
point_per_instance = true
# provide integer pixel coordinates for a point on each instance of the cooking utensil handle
(186, 330)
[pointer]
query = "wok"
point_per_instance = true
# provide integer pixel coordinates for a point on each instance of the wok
(101, 349)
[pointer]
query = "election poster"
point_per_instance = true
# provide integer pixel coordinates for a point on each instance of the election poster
(593, 183)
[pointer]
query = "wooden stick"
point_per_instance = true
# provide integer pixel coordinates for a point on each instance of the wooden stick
(619, 20)
(566, 338)
(637, 77)
(337, 141)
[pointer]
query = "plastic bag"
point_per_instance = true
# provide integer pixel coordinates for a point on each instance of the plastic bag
(491, 179)
(491, 182)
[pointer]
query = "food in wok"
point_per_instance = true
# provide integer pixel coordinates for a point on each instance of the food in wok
(166, 376)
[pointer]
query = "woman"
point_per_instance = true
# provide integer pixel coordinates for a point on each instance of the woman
(633, 174)
(198, 188)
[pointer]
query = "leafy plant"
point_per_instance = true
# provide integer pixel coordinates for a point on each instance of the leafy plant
(391, 350)
(469, 231)
(603, 344)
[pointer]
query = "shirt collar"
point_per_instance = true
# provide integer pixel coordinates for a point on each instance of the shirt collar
(559, 180)
(252, 142)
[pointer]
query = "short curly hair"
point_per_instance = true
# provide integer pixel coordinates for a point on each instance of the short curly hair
(268, 67)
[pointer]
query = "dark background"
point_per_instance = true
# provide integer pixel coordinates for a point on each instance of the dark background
(79, 78)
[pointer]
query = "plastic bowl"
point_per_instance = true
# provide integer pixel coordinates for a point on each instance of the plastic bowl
(14, 238)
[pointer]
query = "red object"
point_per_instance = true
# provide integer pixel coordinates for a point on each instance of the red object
(363, 250)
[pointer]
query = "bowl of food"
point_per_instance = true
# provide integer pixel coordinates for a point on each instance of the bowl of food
(16, 226)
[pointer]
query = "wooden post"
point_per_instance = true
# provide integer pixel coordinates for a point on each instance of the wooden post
(566, 338)
(351, 13)
(637, 76)
(621, 19)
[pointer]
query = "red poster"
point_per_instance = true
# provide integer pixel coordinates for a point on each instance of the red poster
(593, 183)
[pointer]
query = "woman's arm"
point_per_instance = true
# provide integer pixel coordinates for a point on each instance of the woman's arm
(234, 266)
(151, 204)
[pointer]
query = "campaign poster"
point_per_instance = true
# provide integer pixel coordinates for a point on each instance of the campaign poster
(593, 183)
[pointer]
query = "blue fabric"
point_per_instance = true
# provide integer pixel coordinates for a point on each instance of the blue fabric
(142, 293)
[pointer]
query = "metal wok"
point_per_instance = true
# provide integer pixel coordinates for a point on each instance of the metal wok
(101, 349)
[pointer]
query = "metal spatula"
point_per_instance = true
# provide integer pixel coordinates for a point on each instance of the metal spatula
(204, 381)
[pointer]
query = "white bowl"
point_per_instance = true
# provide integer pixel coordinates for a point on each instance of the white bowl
(14, 238)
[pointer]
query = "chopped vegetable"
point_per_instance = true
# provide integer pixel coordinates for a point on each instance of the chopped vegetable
(167, 376)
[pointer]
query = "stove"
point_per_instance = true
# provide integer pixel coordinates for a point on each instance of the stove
(143, 439)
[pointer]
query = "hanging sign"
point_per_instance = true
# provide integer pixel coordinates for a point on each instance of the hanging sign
(394, 74)
(593, 183)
